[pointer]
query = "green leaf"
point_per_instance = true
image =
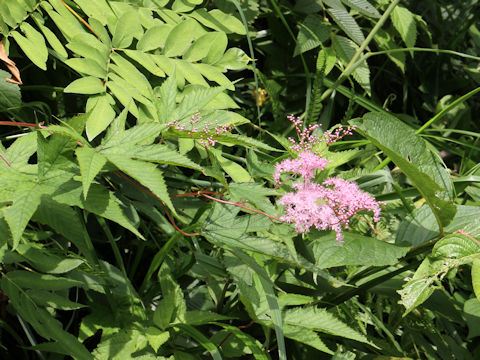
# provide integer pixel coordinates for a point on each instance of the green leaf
(146, 174)
(156, 337)
(85, 85)
(127, 24)
(45, 262)
(90, 162)
(48, 299)
(345, 21)
(9, 93)
(363, 7)
(51, 38)
(198, 317)
(305, 336)
(100, 116)
(233, 59)
(89, 47)
(33, 45)
(131, 75)
(99, 201)
(404, 22)
(146, 60)
(220, 21)
(248, 340)
(31, 280)
(201, 339)
(346, 49)
(234, 170)
(210, 47)
(25, 201)
(255, 193)
(163, 155)
(355, 250)
(154, 38)
(384, 131)
(87, 67)
(476, 277)
(313, 31)
(180, 38)
(321, 320)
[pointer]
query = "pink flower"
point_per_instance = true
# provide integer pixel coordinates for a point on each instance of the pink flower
(325, 206)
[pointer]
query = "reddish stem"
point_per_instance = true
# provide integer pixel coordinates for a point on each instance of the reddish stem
(12, 123)
(5, 159)
(148, 192)
(241, 206)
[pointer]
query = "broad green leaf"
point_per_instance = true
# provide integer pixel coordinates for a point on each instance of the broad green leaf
(234, 170)
(363, 7)
(404, 22)
(248, 340)
(355, 250)
(180, 38)
(185, 5)
(52, 39)
(127, 24)
(146, 174)
(64, 20)
(220, 21)
(45, 262)
(201, 339)
(476, 277)
(99, 9)
(123, 96)
(195, 100)
(416, 292)
(87, 67)
(346, 49)
(31, 280)
(101, 114)
(198, 317)
(33, 45)
(99, 201)
(189, 72)
(457, 246)
(66, 221)
(384, 40)
(233, 59)
(131, 74)
(384, 132)
(90, 162)
(312, 32)
(210, 47)
(89, 47)
(25, 201)
(154, 38)
(471, 312)
(9, 93)
(140, 134)
(85, 85)
(321, 320)
(146, 61)
(167, 104)
(122, 345)
(48, 299)
(156, 337)
(255, 193)
(163, 155)
(271, 299)
(305, 336)
(213, 74)
(345, 21)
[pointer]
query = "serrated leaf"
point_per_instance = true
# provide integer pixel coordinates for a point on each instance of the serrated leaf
(413, 158)
(156, 337)
(355, 250)
(346, 49)
(347, 23)
(90, 162)
(363, 7)
(48, 299)
(163, 155)
(306, 336)
(321, 320)
(100, 116)
(146, 174)
(312, 32)
(85, 85)
(404, 22)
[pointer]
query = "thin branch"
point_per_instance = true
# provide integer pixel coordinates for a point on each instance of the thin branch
(80, 18)
(5, 159)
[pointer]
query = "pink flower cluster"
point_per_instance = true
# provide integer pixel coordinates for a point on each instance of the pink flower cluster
(329, 205)
(206, 133)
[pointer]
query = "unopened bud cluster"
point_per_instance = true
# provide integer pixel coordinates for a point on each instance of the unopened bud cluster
(207, 132)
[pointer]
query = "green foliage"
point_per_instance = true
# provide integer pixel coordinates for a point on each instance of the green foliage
(124, 236)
